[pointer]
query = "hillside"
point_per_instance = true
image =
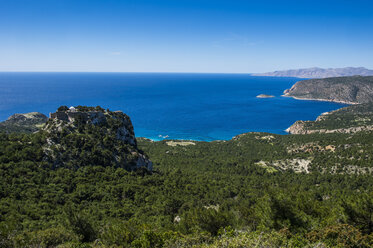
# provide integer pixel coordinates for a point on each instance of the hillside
(316, 72)
(84, 136)
(349, 119)
(349, 90)
(25, 123)
(66, 186)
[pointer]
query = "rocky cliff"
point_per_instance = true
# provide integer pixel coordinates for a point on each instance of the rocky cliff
(350, 90)
(316, 72)
(24, 123)
(92, 136)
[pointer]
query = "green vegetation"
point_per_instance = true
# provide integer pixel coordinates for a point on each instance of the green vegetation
(355, 89)
(207, 194)
(23, 123)
(351, 119)
(256, 190)
(82, 109)
(360, 115)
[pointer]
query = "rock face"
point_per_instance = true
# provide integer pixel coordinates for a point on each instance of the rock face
(124, 131)
(350, 90)
(316, 72)
(299, 127)
(92, 136)
(24, 123)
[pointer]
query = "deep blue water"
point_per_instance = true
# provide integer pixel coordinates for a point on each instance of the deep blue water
(182, 106)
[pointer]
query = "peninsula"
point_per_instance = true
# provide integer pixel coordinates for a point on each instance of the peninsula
(349, 90)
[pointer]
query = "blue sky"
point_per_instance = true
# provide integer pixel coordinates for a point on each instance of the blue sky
(184, 35)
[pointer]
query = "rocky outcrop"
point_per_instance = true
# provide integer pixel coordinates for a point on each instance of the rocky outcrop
(34, 117)
(89, 136)
(298, 165)
(24, 123)
(124, 130)
(316, 72)
(299, 128)
(349, 90)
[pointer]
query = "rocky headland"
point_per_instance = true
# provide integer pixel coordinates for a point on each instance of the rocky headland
(83, 136)
(349, 90)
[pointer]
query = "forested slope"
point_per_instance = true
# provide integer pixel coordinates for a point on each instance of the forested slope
(247, 192)
(351, 119)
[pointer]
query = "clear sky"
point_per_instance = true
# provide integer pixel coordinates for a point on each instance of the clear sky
(184, 35)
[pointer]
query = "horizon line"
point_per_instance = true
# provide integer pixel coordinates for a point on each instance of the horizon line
(149, 72)
(180, 72)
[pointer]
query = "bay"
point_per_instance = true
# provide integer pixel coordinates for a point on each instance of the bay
(166, 105)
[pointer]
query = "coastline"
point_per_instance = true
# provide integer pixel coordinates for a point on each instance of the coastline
(287, 130)
(321, 100)
(322, 114)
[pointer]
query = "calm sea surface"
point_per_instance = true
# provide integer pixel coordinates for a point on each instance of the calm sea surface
(182, 106)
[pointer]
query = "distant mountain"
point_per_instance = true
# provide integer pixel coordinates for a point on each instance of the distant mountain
(316, 72)
(351, 90)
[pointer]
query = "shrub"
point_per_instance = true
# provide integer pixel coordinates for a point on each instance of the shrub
(203, 219)
(341, 235)
(121, 234)
(62, 109)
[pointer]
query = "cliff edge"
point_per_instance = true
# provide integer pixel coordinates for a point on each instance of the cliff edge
(81, 136)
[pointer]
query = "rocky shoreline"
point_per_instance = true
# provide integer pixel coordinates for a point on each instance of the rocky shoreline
(298, 128)
(321, 100)
(347, 90)
(344, 90)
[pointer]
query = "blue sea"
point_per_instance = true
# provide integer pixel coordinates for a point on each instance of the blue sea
(166, 105)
